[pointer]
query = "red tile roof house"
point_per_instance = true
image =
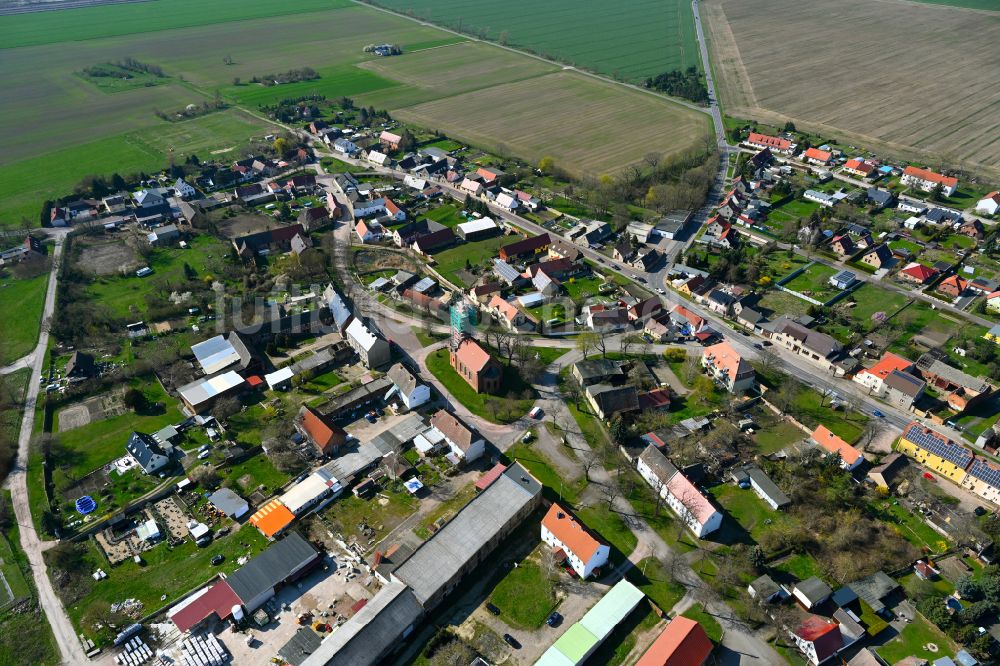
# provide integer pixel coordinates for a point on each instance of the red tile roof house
(394, 211)
(776, 144)
(817, 156)
(475, 365)
(319, 432)
(859, 168)
(953, 286)
(873, 378)
(728, 368)
(917, 273)
(927, 180)
(389, 140)
(683, 643)
(569, 537)
(818, 639)
(850, 457)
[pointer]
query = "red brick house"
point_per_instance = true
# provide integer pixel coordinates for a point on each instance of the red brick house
(475, 365)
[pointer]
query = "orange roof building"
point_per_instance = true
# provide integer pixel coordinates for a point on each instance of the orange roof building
(325, 436)
(873, 378)
(683, 643)
(859, 167)
(953, 286)
(272, 519)
(927, 180)
(480, 370)
(775, 143)
(727, 367)
(567, 535)
(850, 457)
(817, 156)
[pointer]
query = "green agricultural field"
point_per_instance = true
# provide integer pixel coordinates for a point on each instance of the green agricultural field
(631, 40)
(21, 304)
(478, 92)
(333, 82)
(28, 182)
(70, 25)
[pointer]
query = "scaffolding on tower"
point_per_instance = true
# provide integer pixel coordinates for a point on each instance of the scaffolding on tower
(463, 320)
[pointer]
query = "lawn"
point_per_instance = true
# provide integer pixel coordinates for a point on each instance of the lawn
(779, 303)
(348, 512)
(911, 527)
(526, 595)
(561, 489)
(654, 581)
(699, 614)
(450, 215)
(15, 385)
(246, 476)
(88, 447)
(610, 525)
(452, 260)
(801, 566)
(125, 296)
(427, 338)
(492, 408)
(580, 289)
(21, 304)
(911, 641)
(814, 282)
(445, 511)
(776, 436)
(808, 409)
(747, 509)
(25, 637)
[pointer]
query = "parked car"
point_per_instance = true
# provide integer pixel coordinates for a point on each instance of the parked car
(536, 413)
(493, 609)
(877, 414)
(511, 641)
(218, 559)
(554, 620)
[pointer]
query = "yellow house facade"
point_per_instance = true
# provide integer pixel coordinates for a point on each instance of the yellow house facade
(936, 452)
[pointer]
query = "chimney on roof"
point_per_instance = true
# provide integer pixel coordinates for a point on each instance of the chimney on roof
(378, 558)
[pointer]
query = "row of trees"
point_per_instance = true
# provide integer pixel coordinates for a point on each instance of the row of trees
(291, 76)
(113, 70)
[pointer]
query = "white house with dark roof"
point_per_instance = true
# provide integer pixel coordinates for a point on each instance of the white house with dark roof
(410, 391)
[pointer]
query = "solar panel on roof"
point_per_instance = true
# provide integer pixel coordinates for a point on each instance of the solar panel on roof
(943, 448)
(986, 472)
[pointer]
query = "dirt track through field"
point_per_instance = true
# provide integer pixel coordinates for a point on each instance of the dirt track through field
(909, 78)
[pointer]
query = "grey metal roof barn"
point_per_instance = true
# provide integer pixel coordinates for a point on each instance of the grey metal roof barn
(372, 632)
(228, 502)
(275, 564)
(439, 559)
(215, 354)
